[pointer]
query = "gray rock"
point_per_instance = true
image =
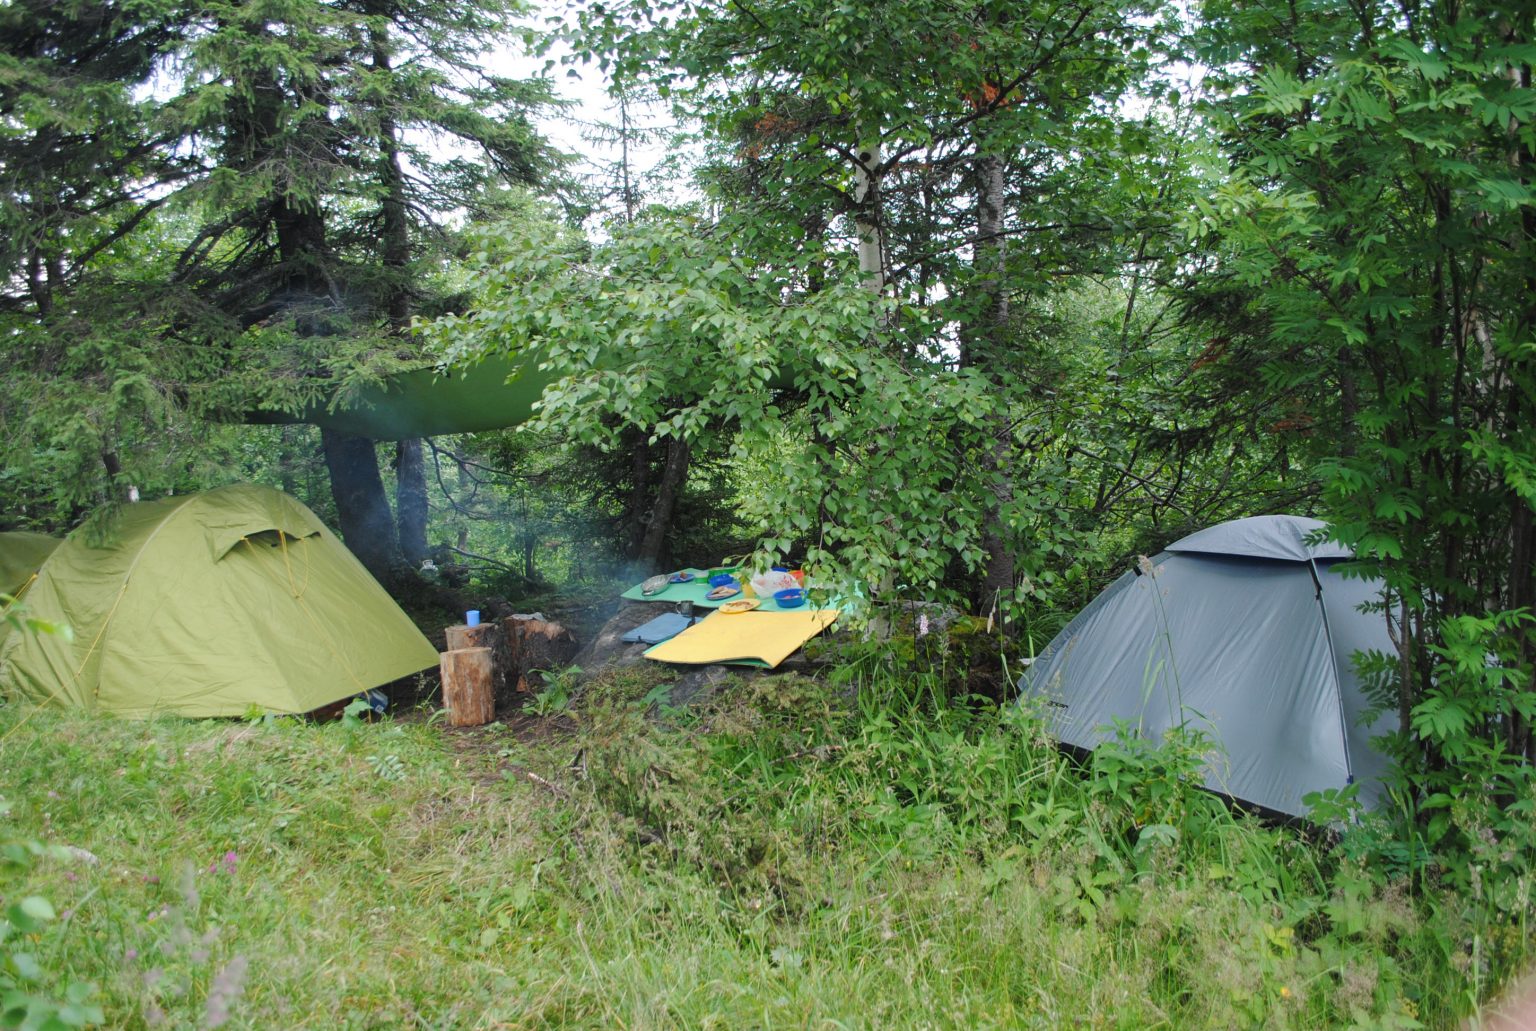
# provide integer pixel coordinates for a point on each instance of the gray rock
(703, 682)
(606, 650)
(693, 684)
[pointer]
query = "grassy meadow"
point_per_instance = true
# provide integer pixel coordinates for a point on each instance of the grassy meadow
(857, 851)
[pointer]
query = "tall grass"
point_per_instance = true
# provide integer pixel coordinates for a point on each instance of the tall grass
(861, 852)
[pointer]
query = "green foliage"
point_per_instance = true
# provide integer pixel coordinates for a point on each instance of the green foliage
(13, 614)
(667, 330)
(799, 793)
(870, 856)
(828, 124)
(559, 691)
(387, 767)
(208, 213)
(1377, 232)
(31, 998)
(1155, 784)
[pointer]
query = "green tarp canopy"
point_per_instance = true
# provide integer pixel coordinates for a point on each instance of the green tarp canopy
(492, 395)
(21, 554)
(209, 605)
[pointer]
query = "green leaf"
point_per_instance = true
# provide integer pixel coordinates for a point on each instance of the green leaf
(26, 966)
(30, 913)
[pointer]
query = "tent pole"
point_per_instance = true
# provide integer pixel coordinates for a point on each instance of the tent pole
(1333, 663)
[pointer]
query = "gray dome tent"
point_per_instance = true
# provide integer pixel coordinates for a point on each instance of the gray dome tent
(1246, 631)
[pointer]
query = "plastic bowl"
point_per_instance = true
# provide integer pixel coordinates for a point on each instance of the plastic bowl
(721, 579)
(789, 599)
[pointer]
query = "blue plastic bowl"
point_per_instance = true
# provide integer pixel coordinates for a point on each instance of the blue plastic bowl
(721, 579)
(792, 598)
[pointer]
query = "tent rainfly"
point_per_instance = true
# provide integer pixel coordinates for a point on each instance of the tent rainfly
(207, 605)
(1244, 630)
(21, 554)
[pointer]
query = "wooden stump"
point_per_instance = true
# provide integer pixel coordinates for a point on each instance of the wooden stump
(469, 685)
(512, 656)
(533, 645)
(503, 666)
(482, 636)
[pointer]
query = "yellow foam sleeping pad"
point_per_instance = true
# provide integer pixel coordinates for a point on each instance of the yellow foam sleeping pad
(757, 637)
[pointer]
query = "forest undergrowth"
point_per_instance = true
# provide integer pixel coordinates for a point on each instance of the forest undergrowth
(858, 850)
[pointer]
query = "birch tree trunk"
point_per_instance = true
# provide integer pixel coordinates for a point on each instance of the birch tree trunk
(867, 214)
(990, 346)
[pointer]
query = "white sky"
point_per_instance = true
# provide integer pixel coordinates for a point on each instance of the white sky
(587, 128)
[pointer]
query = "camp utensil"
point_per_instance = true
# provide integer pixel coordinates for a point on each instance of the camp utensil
(681, 577)
(740, 605)
(792, 598)
(655, 585)
(723, 591)
(721, 579)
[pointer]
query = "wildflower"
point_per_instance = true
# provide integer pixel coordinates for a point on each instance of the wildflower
(1145, 565)
(131, 955)
(922, 624)
(224, 992)
(189, 895)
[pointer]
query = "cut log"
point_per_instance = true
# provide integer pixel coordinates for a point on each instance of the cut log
(503, 665)
(512, 634)
(469, 687)
(534, 645)
(482, 636)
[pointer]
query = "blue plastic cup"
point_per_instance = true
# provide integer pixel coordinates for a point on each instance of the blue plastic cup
(472, 617)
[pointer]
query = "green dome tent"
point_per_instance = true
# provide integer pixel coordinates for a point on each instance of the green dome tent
(22, 554)
(207, 605)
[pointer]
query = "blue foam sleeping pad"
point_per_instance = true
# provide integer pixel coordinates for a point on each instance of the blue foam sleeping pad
(662, 628)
